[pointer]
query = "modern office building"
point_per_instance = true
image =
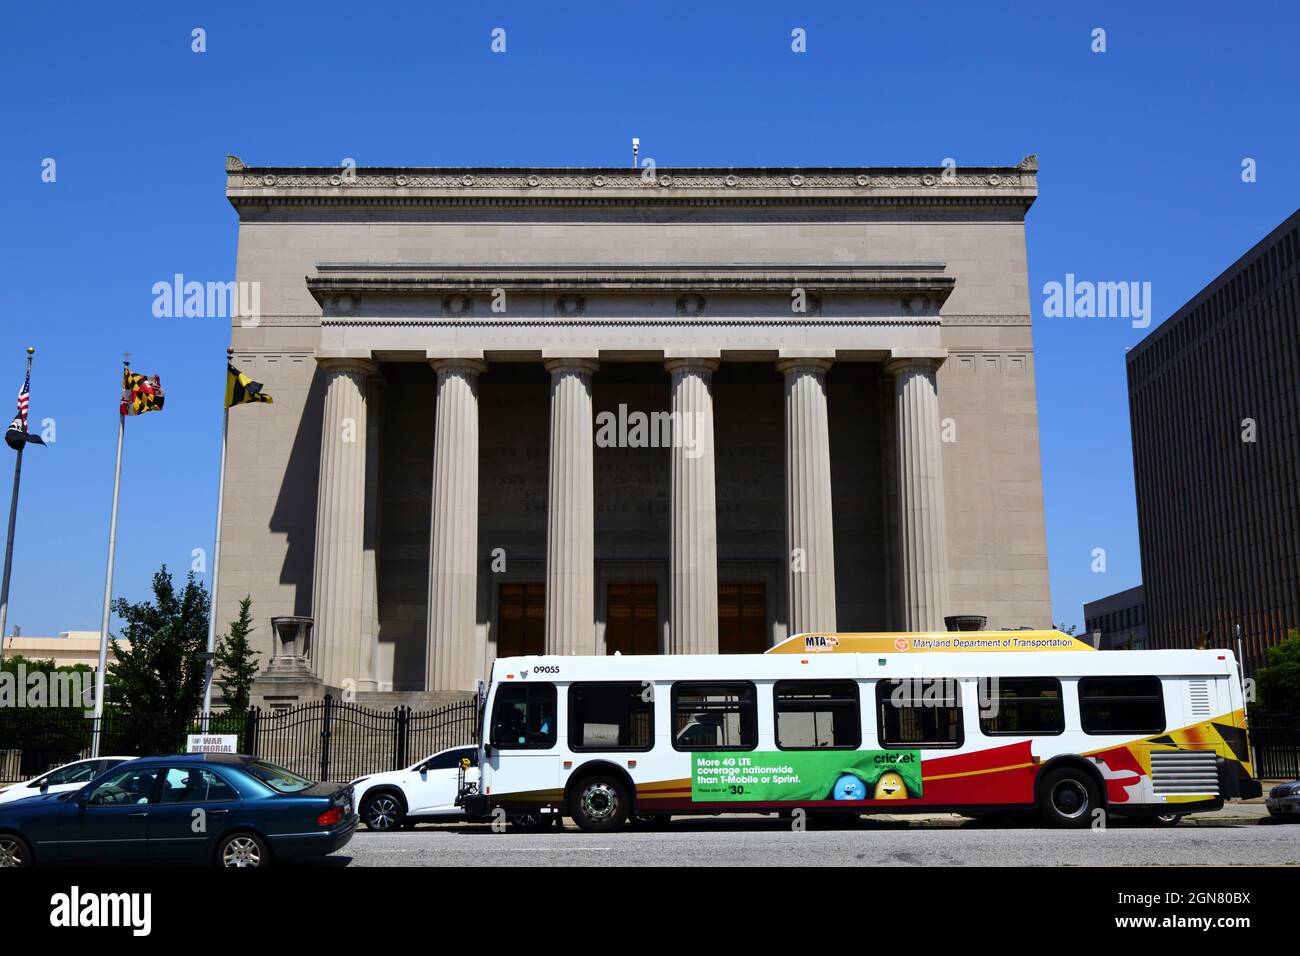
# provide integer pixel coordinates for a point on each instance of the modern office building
(599, 410)
(1117, 622)
(1214, 399)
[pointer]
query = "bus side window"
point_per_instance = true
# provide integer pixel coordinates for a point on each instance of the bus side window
(523, 717)
(718, 715)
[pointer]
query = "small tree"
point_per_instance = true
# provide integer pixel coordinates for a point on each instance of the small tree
(160, 678)
(1278, 682)
(237, 660)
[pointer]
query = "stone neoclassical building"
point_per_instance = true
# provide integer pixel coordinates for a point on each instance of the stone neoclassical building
(599, 410)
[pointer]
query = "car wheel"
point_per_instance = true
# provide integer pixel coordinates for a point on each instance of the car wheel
(383, 811)
(14, 850)
(242, 851)
(599, 803)
(1067, 798)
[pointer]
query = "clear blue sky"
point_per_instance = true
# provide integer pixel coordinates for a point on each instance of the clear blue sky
(1140, 151)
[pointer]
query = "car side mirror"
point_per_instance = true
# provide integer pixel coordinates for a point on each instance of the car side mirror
(487, 751)
(45, 787)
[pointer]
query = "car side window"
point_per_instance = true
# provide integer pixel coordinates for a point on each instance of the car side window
(73, 773)
(195, 785)
(124, 788)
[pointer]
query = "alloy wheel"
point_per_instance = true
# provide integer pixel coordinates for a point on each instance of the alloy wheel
(382, 813)
(12, 853)
(242, 852)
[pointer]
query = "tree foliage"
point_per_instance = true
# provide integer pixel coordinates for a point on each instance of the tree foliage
(1278, 682)
(161, 675)
(237, 661)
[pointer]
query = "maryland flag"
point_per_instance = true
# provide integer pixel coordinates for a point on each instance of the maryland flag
(240, 389)
(140, 393)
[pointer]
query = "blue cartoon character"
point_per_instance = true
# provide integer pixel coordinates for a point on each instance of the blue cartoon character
(849, 786)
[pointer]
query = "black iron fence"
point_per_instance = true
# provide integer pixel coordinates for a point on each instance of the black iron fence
(1275, 745)
(322, 740)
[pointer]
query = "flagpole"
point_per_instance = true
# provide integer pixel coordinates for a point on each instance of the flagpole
(216, 562)
(13, 520)
(108, 582)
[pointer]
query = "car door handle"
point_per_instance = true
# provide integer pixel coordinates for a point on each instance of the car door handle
(134, 815)
(217, 813)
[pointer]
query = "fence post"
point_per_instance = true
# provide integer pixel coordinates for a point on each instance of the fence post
(325, 740)
(250, 731)
(401, 740)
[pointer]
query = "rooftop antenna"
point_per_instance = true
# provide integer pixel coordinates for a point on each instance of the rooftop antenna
(636, 148)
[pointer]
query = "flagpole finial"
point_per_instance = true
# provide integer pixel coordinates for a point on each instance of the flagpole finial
(30, 350)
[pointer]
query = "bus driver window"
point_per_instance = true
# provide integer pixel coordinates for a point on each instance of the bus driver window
(523, 717)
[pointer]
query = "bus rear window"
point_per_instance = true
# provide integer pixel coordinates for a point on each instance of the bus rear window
(523, 717)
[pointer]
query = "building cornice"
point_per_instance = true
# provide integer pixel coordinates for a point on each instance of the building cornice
(877, 185)
(387, 279)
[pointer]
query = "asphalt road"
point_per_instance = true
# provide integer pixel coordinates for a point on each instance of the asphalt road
(932, 841)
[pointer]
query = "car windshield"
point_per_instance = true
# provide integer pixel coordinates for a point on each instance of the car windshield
(277, 778)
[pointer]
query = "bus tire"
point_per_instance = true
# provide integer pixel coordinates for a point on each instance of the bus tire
(1067, 798)
(599, 803)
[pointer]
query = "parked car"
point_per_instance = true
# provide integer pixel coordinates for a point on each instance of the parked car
(423, 791)
(1284, 800)
(71, 776)
(223, 809)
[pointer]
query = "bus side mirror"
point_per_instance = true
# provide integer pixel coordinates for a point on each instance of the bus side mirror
(487, 750)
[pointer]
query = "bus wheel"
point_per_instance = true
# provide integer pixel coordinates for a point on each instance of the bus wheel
(599, 803)
(1067, 798)
(1166, 819)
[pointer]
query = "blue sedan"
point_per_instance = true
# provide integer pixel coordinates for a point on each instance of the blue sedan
(227, 810)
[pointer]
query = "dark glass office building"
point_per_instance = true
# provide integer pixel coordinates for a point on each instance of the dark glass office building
(1214, 401)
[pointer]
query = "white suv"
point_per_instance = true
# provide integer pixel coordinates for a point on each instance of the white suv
(71, 776)
(424, 791)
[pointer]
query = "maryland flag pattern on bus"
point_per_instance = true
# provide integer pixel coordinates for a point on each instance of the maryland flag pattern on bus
(141, 393)
(240, 389)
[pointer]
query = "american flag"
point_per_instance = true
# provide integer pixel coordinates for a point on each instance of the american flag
(24, 394)
(16, 434)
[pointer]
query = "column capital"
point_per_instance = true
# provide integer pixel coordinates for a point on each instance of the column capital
(684, 362)
(347, 363)
(809, 362)
(554, 365)
(477, 366)
(923, 360)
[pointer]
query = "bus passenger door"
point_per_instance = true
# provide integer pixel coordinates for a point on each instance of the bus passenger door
(524, 764)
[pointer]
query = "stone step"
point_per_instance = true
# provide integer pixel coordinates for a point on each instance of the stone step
(418, 700)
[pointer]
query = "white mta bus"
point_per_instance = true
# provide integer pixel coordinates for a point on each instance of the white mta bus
(966, 722)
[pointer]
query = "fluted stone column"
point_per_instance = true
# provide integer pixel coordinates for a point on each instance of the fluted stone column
(450, 646)
(338, 571)
(693, 583)
(922, 527)
(810, 537)
(570, 516)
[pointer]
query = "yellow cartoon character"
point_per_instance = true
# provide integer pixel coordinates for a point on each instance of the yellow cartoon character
(890, 786)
